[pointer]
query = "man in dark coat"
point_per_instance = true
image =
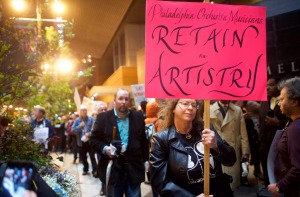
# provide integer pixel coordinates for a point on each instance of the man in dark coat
(128, 170)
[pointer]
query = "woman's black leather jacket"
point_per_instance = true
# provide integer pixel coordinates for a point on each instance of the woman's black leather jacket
(169, 161)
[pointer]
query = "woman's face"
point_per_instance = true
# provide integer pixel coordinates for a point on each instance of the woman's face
(185, 110)
(285, 103)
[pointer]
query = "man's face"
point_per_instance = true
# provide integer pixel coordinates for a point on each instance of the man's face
(272, 89)
(122, 101)
(37, 114)
(83, 113)
(101, 109)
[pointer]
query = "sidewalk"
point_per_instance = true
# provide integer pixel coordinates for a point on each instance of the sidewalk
(90, 186)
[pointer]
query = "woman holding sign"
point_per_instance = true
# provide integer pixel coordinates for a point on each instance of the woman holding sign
(177, 153)
(288, 171)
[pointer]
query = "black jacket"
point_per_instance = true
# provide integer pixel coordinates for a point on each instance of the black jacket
(169, 161)
(267, 132)
(137, 150)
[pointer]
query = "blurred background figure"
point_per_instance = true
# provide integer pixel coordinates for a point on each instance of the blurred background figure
(102, 107)
(228, 119)
(72, 136)
(60, 128)
(143, 105)
(152, 125)
(152, 109)
(82, 127)
(252, 125)
(40, 121)
(4, 121)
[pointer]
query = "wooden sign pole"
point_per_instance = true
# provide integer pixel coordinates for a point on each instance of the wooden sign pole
(206, 118)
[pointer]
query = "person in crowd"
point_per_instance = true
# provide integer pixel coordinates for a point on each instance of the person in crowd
(152, 123)
(271, 120)
(72, 136)
(227, 118)
(69, 139)
(252, 125)
(60, 129)
(288, 174)
(177, 153)
(128, 171)
(143, 105)
(152, 109)
(102, 107)
(4, 121)
(40, 121)
(82, 127)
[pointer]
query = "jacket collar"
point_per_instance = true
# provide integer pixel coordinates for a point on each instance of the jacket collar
(116, 114)
(173, 139)
(230, 114)
(216, 114)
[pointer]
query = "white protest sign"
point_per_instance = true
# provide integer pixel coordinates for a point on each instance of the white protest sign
(41, 134)
(138, 91)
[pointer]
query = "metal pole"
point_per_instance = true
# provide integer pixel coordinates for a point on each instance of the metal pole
(43, 20)
(39, 19)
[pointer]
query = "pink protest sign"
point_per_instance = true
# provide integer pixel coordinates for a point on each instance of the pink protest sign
(205, 51)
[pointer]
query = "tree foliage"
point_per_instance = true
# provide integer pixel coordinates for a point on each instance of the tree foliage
(24, 79)
(15, 69)
(54, 90)
(25, 82)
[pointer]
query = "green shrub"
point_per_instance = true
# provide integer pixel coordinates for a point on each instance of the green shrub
(16, 144)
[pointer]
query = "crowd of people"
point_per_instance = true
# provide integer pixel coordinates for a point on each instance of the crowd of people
(165, 140)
